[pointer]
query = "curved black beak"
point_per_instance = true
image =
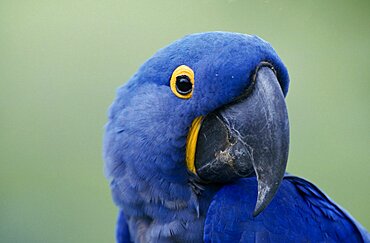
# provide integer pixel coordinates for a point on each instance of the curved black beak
(249, 137)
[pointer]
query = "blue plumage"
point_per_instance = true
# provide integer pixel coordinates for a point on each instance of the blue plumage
(144, 150)
(300, 212)
(122, 231)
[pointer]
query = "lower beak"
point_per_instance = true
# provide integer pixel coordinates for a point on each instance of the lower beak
(249, 137)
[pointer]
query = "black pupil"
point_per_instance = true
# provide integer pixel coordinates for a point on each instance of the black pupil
(183, 84)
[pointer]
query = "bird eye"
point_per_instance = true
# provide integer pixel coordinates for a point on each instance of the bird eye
(182, 82)
(183, 85)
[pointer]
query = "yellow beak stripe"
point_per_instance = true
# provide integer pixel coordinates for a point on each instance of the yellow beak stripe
(191, 143)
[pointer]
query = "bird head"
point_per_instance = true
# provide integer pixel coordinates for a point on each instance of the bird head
(209, 105)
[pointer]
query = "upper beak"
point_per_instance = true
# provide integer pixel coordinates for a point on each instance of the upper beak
(249, 137)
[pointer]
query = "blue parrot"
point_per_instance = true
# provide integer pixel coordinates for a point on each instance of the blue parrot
(196, 147)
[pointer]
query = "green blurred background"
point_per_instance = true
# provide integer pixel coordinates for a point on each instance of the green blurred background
(61, 61)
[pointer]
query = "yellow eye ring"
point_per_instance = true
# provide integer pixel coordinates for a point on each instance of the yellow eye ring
(182, 82)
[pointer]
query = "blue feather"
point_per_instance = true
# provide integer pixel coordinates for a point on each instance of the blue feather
(300, 212)
(122, 231)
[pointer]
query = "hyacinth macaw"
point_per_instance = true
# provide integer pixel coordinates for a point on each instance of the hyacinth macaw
(196, 148)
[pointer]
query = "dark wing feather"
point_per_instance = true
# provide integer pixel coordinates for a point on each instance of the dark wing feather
(300, 212)
(122, 232)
